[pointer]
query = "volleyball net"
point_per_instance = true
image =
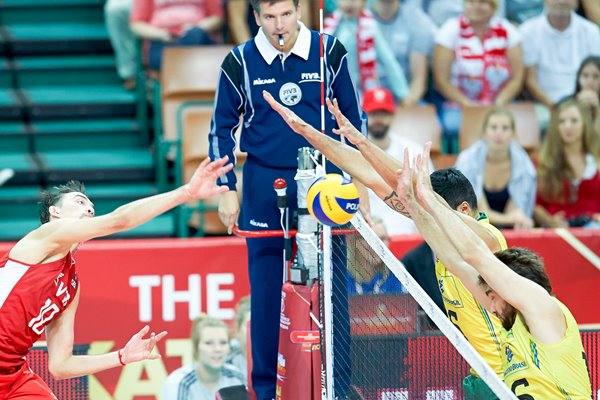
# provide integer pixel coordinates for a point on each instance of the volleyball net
(389, 340)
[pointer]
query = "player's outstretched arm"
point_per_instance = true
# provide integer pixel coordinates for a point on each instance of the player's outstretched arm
(62, 364)
(541, 313)
(433, 234)
(385, 165)
(345, 157)
(68, 231)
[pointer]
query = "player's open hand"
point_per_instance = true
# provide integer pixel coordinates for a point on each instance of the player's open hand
(346, 128)
(405, 190)
(138, 348)
(297, 124)
(204, 181)
(422, 181)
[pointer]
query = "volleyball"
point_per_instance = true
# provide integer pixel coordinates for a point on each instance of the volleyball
(332, 199)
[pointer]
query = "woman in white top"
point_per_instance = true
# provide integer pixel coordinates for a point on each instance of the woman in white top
(208, 373)
(501, 172)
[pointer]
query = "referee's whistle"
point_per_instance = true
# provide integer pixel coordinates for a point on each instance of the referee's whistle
(280, 40)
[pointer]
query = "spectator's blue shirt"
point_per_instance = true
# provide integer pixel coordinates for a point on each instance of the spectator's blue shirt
(378, 285)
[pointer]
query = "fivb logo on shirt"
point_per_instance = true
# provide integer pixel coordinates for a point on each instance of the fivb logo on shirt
(290, 94)
(310, 77)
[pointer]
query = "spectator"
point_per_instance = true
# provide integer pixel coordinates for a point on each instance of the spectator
(175, 23)
(554, 45)
(208, 373)
(238, 357)
(242, 22)
(367, 273)
(409, 33)
(379, 106)
(519, 11)
(477, 60)
(590, 9)
(568, 178)
(587, 88)
(441, 11)
(501, 173)
(116, 15)
(369, 55)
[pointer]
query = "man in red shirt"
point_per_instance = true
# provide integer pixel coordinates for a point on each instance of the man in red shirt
(39, 289)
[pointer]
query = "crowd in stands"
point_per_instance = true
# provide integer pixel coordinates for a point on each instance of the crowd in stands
(452, 54)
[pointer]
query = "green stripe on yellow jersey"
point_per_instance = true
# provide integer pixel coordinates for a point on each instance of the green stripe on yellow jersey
(540, 371)
(477, 325)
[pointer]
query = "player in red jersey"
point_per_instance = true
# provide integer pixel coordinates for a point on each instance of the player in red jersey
(39, 289)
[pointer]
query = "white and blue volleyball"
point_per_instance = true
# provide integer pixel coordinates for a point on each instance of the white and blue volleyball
(332, 199)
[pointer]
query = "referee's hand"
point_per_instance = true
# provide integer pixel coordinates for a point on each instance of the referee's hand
(229, 209)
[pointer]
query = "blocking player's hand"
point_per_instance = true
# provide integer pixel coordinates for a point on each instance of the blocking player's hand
(138, 348)
(204, 181)
(229, 209)
(297, 124)
(404, 189)
(346, 128)
(422, 182)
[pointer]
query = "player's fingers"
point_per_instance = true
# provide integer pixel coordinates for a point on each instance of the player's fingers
(204, 162)
(142, 332)
(427, 155)
(160, 336)
(225, 169)
(406, 160)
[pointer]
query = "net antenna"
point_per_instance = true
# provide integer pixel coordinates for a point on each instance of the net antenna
(326, 309)
(455, 337)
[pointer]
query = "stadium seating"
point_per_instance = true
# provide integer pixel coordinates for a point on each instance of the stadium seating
(186, 103)
(420, 124)
(64, 114)
(528, 132)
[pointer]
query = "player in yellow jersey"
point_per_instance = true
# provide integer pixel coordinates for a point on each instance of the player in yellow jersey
(479, 327)
(542, 352)
(374, 168)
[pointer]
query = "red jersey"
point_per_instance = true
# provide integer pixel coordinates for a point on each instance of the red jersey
(586, 199)
(31, 296)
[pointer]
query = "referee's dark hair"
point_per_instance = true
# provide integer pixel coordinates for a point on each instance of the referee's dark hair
(454, 187)
(256, 3)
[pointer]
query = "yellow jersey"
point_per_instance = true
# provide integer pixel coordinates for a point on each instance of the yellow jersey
(541, 371)
(477, 325)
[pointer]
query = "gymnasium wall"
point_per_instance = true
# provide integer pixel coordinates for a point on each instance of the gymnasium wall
(129, 283)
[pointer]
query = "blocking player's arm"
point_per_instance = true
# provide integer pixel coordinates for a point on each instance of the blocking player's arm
(480, 230)
(65, 232)
(541, 313)
(434, 235)
(384, 164)
(342, 155)
(62, 364)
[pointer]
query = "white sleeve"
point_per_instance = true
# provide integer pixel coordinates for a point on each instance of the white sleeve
(448, 33)
(514, 36)
(530, 45)
(171, 387)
